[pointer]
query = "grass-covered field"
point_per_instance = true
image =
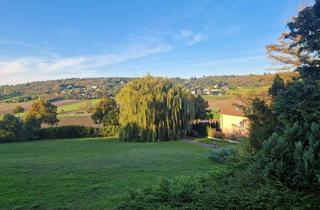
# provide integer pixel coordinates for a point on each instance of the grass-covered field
(77, 105)
(89, 173)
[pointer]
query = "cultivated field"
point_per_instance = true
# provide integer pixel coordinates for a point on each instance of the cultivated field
(89, 173)
(70, 112)
(76, 119)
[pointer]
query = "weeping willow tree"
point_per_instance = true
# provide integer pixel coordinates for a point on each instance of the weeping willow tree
(154, 109)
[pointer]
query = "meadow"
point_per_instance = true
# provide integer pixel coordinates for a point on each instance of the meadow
(90, 173)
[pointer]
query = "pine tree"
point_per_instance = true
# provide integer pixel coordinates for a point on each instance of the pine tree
(277, 86)
(292, 153)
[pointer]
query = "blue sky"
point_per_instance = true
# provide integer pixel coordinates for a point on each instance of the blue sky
(42, 40)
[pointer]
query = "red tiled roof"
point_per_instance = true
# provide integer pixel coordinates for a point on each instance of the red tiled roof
(227, 106)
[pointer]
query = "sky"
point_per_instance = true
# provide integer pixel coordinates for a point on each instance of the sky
(45, 40)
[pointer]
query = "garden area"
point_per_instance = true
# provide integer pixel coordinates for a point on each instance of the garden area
(154, 145)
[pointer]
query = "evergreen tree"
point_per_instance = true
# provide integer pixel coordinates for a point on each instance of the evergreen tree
(277, 86)
(262, 123)
(201, 108)
(292, 153)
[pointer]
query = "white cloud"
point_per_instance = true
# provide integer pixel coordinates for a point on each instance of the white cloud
(25, 69)
(190, 36)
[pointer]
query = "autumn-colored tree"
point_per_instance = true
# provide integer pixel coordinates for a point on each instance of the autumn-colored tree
(282, 53)
(298, 48)
(44, 111)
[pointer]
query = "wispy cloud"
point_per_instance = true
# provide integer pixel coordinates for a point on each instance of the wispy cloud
(190, 36)
(18, 43)
(24, 69)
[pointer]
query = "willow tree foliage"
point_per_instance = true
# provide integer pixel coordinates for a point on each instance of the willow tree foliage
(154, 109)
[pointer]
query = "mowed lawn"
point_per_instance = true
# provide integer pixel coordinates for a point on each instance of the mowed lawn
(89, 173)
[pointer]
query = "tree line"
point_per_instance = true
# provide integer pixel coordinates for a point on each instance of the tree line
(146, 109)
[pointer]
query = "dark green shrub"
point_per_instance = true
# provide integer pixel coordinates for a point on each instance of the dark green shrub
(71, 131)
(199, 129)
(241, 190)
(293, 157)
(204, 128)
(32, 126)
(11, 129)
(221, 155)
(176, 193)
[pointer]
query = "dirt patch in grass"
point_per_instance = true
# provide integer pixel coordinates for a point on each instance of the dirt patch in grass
(9, 107)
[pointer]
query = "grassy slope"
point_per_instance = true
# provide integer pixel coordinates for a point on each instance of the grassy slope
(216, 97)
(89, 174)
(248, 90)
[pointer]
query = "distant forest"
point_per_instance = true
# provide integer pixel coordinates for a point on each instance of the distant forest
(90, 88)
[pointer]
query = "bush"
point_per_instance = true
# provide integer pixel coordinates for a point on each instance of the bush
(293, 157)
(180, 192)
(109, 131)
(230, 190)
(222, 154)
(70, 131)
(199, 129)
(212, 132)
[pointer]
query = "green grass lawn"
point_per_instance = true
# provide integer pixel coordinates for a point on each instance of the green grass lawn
(218, 143)
(83, 104)
(217, 97)
(248, 90)
(89, 173)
